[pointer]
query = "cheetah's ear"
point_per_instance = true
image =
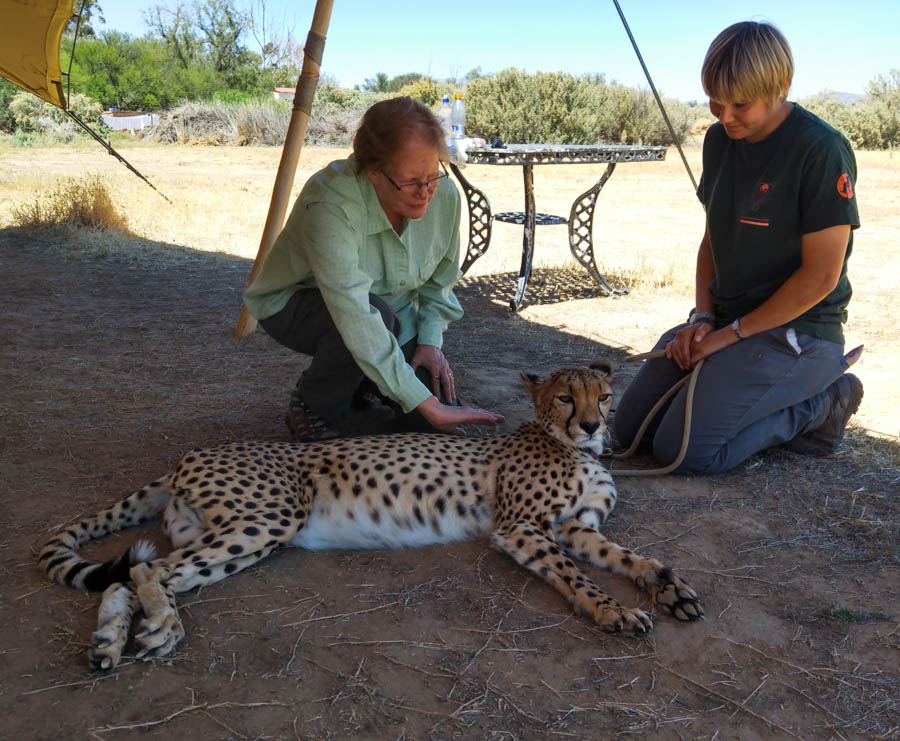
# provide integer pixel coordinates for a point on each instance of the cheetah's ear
(602, 366)
(531, 381)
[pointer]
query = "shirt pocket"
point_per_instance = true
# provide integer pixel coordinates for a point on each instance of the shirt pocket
(427, 261)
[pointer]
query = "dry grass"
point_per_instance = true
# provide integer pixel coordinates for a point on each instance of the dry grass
(70, 201)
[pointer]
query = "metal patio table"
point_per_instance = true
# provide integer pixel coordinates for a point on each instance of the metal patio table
(581, 215)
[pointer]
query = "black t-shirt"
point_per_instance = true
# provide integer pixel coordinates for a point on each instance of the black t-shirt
(761, 198)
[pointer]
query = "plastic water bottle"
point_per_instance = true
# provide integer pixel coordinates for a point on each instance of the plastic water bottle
(458, 117)
(443, 115)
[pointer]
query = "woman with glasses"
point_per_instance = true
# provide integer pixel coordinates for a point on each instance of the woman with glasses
(361, 278)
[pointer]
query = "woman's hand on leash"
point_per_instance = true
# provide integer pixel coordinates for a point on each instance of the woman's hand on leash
(686, 342)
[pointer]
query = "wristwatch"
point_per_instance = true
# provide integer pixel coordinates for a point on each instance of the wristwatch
(736, 328)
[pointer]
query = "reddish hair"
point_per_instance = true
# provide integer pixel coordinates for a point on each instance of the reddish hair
(389, 123)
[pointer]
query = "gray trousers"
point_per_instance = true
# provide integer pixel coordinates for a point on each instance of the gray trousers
(760, 392)
(333, 380)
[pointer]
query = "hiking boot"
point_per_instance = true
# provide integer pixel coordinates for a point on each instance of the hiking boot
(305, 425)
(846, 393)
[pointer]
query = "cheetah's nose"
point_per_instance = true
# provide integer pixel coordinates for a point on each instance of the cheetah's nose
(590, 427)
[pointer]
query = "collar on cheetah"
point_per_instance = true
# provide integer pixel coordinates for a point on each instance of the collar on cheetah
(593, 453)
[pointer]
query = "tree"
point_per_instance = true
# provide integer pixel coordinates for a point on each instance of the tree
(176, 28)
(401, 81)
(7, 92)
(89, 10)
(378, 84)
(277, 44)
(222, 25)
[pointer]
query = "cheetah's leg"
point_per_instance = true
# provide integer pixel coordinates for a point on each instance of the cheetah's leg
(161, 629)
(534, 549)
(675, 595)
(113, 623)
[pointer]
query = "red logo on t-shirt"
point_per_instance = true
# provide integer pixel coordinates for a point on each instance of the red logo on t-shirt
(844, 186)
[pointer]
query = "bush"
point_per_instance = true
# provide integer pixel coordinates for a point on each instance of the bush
(83, 201)
(557, 108)
(427, 90)
(331, 98)
(7, 93)
(34, 115)
(873, 123)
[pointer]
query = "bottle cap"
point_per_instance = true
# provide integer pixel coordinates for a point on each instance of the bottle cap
(458, 95)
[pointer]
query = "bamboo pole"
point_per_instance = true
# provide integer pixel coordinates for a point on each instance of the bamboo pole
(293, 143)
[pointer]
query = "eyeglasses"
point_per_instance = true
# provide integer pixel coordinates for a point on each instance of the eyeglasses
(412, 186)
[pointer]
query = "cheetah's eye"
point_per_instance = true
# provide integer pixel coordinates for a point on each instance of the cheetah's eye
(602, 399)
(564, 398)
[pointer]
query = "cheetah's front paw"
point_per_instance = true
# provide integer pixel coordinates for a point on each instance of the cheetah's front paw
(676, 597)
(615, 618)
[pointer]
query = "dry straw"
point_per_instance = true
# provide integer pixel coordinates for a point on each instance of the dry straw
(71, 201)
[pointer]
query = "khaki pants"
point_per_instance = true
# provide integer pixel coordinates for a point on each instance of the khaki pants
(760, 392)
(333, 380)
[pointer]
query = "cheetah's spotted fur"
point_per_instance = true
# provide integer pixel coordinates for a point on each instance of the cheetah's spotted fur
(540, 493)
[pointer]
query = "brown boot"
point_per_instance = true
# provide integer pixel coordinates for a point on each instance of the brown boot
(305, 425)
(846, 393)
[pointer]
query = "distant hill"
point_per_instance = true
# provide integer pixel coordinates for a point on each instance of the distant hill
(851, 98)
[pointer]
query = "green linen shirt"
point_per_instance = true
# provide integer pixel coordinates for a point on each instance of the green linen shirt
(339, 240)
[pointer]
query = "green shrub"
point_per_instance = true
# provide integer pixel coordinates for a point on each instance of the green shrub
(873, 123)
(7, 92)
(427, 90)
(234, 96)
(34, 115)
(21, 139)
(331, 98)
(558, 108)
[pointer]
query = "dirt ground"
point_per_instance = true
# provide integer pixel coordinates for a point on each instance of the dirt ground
(113, 367)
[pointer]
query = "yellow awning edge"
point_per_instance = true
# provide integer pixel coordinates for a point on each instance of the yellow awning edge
(30, 34)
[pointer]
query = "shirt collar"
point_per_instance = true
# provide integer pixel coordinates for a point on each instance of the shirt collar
(377, 220)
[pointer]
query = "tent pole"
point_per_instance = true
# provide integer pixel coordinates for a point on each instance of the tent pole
(293, 143)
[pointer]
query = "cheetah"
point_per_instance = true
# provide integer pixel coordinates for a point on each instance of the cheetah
(541, 493)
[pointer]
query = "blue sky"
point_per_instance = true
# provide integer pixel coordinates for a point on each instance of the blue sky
(837, 45)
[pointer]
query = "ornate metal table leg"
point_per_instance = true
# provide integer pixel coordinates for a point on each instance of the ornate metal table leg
(527, 238)
(479, 220)
(581, 224)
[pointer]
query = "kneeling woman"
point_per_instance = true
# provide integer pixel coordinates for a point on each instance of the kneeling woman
(771, 282)
(361, 278)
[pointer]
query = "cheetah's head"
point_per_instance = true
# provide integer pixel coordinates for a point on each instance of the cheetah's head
(572, 404)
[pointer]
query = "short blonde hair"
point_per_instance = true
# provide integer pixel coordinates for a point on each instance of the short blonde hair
(748, 61)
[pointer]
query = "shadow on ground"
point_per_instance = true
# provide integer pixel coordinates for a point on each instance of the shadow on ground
(119, 355)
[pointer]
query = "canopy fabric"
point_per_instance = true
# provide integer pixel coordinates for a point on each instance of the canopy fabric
(30, 33)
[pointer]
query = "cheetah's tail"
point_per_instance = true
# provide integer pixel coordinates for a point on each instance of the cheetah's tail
(59, 557)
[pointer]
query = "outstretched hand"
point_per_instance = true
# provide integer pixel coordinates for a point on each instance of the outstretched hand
(449, 418)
